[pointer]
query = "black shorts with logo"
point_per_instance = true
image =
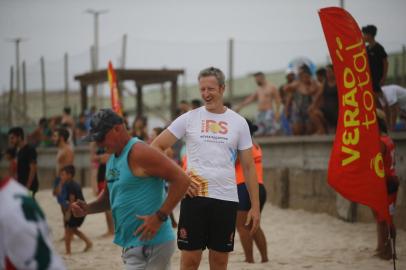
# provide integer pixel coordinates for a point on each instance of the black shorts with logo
(207, 222)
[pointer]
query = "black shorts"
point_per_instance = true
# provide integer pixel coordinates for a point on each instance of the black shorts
(74, 222)
(244, 197)
(207, 222)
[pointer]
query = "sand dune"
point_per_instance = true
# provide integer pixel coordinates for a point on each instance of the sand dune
(296, 240)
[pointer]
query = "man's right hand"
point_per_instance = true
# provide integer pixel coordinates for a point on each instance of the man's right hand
(193, 189)
(79, 208)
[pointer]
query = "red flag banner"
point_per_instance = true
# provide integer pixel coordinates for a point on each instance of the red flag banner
(356, 165)
(115, 98)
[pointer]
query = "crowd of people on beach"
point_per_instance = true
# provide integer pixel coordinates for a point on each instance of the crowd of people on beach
(216, 176)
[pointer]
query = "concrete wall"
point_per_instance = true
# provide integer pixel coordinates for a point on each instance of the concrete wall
(47, 163)
(295, 176)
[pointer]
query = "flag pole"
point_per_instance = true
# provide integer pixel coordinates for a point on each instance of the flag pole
(392, 244)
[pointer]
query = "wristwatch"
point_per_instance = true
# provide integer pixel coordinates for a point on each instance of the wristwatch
(161, 215)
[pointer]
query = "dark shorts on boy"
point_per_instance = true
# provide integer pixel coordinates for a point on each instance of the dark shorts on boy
(207, 222)
(244, 197)
(62, 194)
(74, 222)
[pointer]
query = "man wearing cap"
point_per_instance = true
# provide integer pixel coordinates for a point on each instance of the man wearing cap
(215, 136)
(135, 194)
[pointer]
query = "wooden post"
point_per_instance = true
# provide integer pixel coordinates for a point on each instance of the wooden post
(174, 98)
(24, 91)
(93, 62)
(17, 89)
(230, 68)
(10, 98)
(83, 97)
(138, 101)
(123, 51)
(43, 87)
(66, 74)
(404, 65)
(120, 85)
(184, 87)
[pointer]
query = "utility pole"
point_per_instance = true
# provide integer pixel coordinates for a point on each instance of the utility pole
(123, 51)
(10, 98)
(96, 14)
(230, 69)
(341, 3)
(66, 75)
(17, 42)
(24, 91)
(95, 63)
(43, 88)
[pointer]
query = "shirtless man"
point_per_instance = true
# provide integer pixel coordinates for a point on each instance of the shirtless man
(68, 123)
(267, 94)
(64, 157)
(302, 91)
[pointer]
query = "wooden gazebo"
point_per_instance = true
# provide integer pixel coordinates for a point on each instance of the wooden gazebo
(140, 77)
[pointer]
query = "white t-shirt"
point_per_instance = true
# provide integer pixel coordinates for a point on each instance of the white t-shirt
(212, 144)
(24, 234)
(395, 94)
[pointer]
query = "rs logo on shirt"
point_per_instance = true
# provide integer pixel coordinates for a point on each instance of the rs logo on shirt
(214, 127)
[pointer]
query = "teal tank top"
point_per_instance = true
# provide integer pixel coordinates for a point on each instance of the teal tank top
(131, 196)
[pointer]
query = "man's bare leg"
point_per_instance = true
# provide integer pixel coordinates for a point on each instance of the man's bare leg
(190, 259)
(218, 260)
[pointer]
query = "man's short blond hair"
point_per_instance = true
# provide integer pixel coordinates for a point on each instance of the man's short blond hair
(215, 72)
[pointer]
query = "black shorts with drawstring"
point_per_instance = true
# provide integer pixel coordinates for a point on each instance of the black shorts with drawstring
(207, 222)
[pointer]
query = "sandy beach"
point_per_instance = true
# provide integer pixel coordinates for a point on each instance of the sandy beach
(296, 240)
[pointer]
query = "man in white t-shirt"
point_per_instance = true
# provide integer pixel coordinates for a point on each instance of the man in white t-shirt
(25, 241)
(214, 136)
(396, 97)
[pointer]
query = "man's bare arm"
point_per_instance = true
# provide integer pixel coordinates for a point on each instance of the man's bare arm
(101, 204)
(165, 140)
(291, 87)
(31, 175)
(251, 98)
(278, 101)
(155, 163)
(251, 182)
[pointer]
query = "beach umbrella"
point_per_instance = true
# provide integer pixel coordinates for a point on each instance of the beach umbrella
(297, 62)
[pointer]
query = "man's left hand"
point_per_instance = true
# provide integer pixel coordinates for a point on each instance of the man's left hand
(149, 228)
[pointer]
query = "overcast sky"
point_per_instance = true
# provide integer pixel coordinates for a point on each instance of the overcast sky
(179, 34)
